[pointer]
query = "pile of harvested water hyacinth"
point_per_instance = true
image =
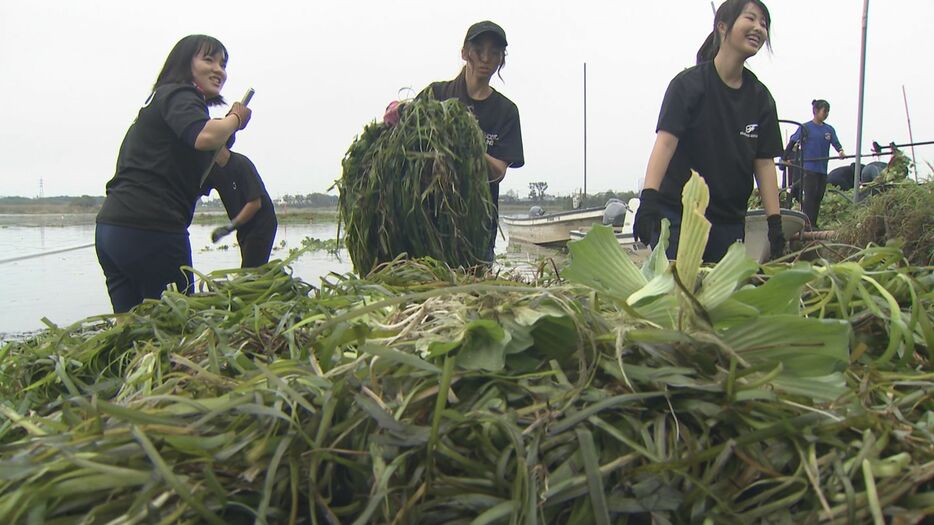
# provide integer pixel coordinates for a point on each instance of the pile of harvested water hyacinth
(418, 188)
(674, 393)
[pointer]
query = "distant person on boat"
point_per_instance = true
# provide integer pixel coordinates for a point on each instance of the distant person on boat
(142, 227)
(248, 206)
(816, 137)
(484, 53)
(718, 119)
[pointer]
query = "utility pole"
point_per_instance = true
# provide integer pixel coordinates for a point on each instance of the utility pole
(911, 137)
(585, 133)
(859, 112)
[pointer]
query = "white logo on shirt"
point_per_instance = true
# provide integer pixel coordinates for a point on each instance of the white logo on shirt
(751, 131)
(491, 138)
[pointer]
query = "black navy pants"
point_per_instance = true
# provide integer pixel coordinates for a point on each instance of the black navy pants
(255, 246)
(139, 264)
(721, 237)
(814, 186)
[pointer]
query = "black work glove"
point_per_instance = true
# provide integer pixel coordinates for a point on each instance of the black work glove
(648, 218)
(776, 237)
(222, 231)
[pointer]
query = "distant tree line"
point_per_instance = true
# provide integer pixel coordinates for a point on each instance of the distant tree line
(538, 196)
(84, 201)
(311, 200)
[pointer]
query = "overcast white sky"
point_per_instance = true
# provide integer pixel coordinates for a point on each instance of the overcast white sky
(75, 73)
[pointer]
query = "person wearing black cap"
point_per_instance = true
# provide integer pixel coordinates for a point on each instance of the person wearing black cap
(484, 53)
(718, 119)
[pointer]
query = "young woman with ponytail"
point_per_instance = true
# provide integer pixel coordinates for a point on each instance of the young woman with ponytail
(816, 137)
(484, 54)
(718, 119)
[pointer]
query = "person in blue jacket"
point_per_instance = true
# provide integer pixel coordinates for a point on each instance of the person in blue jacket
(816, 137)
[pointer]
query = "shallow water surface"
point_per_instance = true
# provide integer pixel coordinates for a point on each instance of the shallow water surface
(69, 286)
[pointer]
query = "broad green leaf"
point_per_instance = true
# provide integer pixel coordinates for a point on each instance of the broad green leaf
(520, 337)
(483, 346)
(556, 337)
(805, 347)
(527, 316)
(733, 270)
(821, 389)
(661, 284)
(662, 311)
(781, 294)
(730, 312)
(598, 261)
(439, 348)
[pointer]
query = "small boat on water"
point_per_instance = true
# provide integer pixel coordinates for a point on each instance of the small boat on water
(549, 229)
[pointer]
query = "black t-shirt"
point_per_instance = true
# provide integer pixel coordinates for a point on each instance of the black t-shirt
(239, 183)
(720, 131)
(158, 176)
(498, 118)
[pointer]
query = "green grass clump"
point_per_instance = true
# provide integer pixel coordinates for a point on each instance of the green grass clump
(672, 393)
(901, 213)
(418, 188)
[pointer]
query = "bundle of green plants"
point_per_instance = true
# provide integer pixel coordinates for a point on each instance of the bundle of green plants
(902, 214)
(418, 188)
(670, 393)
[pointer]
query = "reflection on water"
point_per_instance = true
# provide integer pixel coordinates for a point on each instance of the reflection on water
(69, 286)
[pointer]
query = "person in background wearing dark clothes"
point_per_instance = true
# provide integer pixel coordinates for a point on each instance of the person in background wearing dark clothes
(248, 206)
(816, 137)
(142, 228)
(484, 52)
(718, 119)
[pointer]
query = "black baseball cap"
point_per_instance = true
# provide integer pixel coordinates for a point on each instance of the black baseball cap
(486, 27)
